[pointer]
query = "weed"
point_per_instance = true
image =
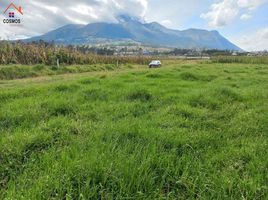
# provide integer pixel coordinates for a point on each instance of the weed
(187, 76)
(95, 94)
(142, 95)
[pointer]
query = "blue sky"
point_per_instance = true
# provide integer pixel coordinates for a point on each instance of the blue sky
(244, 22)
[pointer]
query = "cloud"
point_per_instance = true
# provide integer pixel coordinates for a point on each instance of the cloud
(166, 22)
(245, 17)
(255, 41)
(224, 12)
(250, 4)
(42, 16)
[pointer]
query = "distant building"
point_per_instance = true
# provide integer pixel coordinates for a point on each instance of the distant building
(251, 54)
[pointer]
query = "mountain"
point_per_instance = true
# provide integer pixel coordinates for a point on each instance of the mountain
(131, 29)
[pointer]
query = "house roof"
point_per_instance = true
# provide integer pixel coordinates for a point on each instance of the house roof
(17, 8)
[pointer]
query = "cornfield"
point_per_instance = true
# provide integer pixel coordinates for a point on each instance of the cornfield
(48, 54)
(241, 59)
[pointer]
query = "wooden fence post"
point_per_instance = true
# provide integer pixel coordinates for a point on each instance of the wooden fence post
(58, 63)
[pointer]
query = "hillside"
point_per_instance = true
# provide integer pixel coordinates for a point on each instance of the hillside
(130, 29)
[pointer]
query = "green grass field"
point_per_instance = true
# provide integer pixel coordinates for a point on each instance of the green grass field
(188, 130)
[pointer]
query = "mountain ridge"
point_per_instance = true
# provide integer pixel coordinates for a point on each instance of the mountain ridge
(131, 29)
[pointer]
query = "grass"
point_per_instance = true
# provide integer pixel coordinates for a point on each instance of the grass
(10, 72)
(241, 59)
(188, 130)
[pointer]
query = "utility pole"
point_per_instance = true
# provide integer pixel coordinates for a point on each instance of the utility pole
(58, 63)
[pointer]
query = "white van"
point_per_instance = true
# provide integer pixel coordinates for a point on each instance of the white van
(155, 63)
